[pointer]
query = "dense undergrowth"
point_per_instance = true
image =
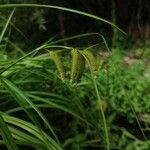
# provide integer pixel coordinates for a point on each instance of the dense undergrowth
(72, 109)
(44, 107)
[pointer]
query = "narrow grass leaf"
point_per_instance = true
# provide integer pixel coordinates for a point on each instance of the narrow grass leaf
(6, 25)
(64, 9)
(24, 101)
(6, 135)
(32, 129)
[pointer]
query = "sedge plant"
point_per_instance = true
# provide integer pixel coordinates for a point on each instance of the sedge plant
(78, 64)
(15, 131)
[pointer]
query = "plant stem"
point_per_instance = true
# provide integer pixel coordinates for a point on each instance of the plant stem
(103, 114)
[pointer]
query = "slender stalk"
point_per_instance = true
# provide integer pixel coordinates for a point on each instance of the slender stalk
(103, 114)
(138, 122)
(93, 75)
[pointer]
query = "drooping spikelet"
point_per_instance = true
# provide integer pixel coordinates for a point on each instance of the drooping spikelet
(57, 60)
(78, 65)
(91, 60)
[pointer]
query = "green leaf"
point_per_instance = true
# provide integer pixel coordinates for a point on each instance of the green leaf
(6, 25)
(63, 9)
(6, 135)
(24, 102)
(31, 135)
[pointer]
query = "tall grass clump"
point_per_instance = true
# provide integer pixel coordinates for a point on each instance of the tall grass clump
(47, 98)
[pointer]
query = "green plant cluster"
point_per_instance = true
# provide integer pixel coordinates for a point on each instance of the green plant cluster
(57, 97)
(125, 85)
(74, 106)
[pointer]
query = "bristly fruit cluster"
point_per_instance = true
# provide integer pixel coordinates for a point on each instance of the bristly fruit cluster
(79, 59)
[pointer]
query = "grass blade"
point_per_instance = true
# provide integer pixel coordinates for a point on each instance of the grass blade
(63, 9)
(32, 130)
(6, 134)
(6, 25)
(24, 102)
